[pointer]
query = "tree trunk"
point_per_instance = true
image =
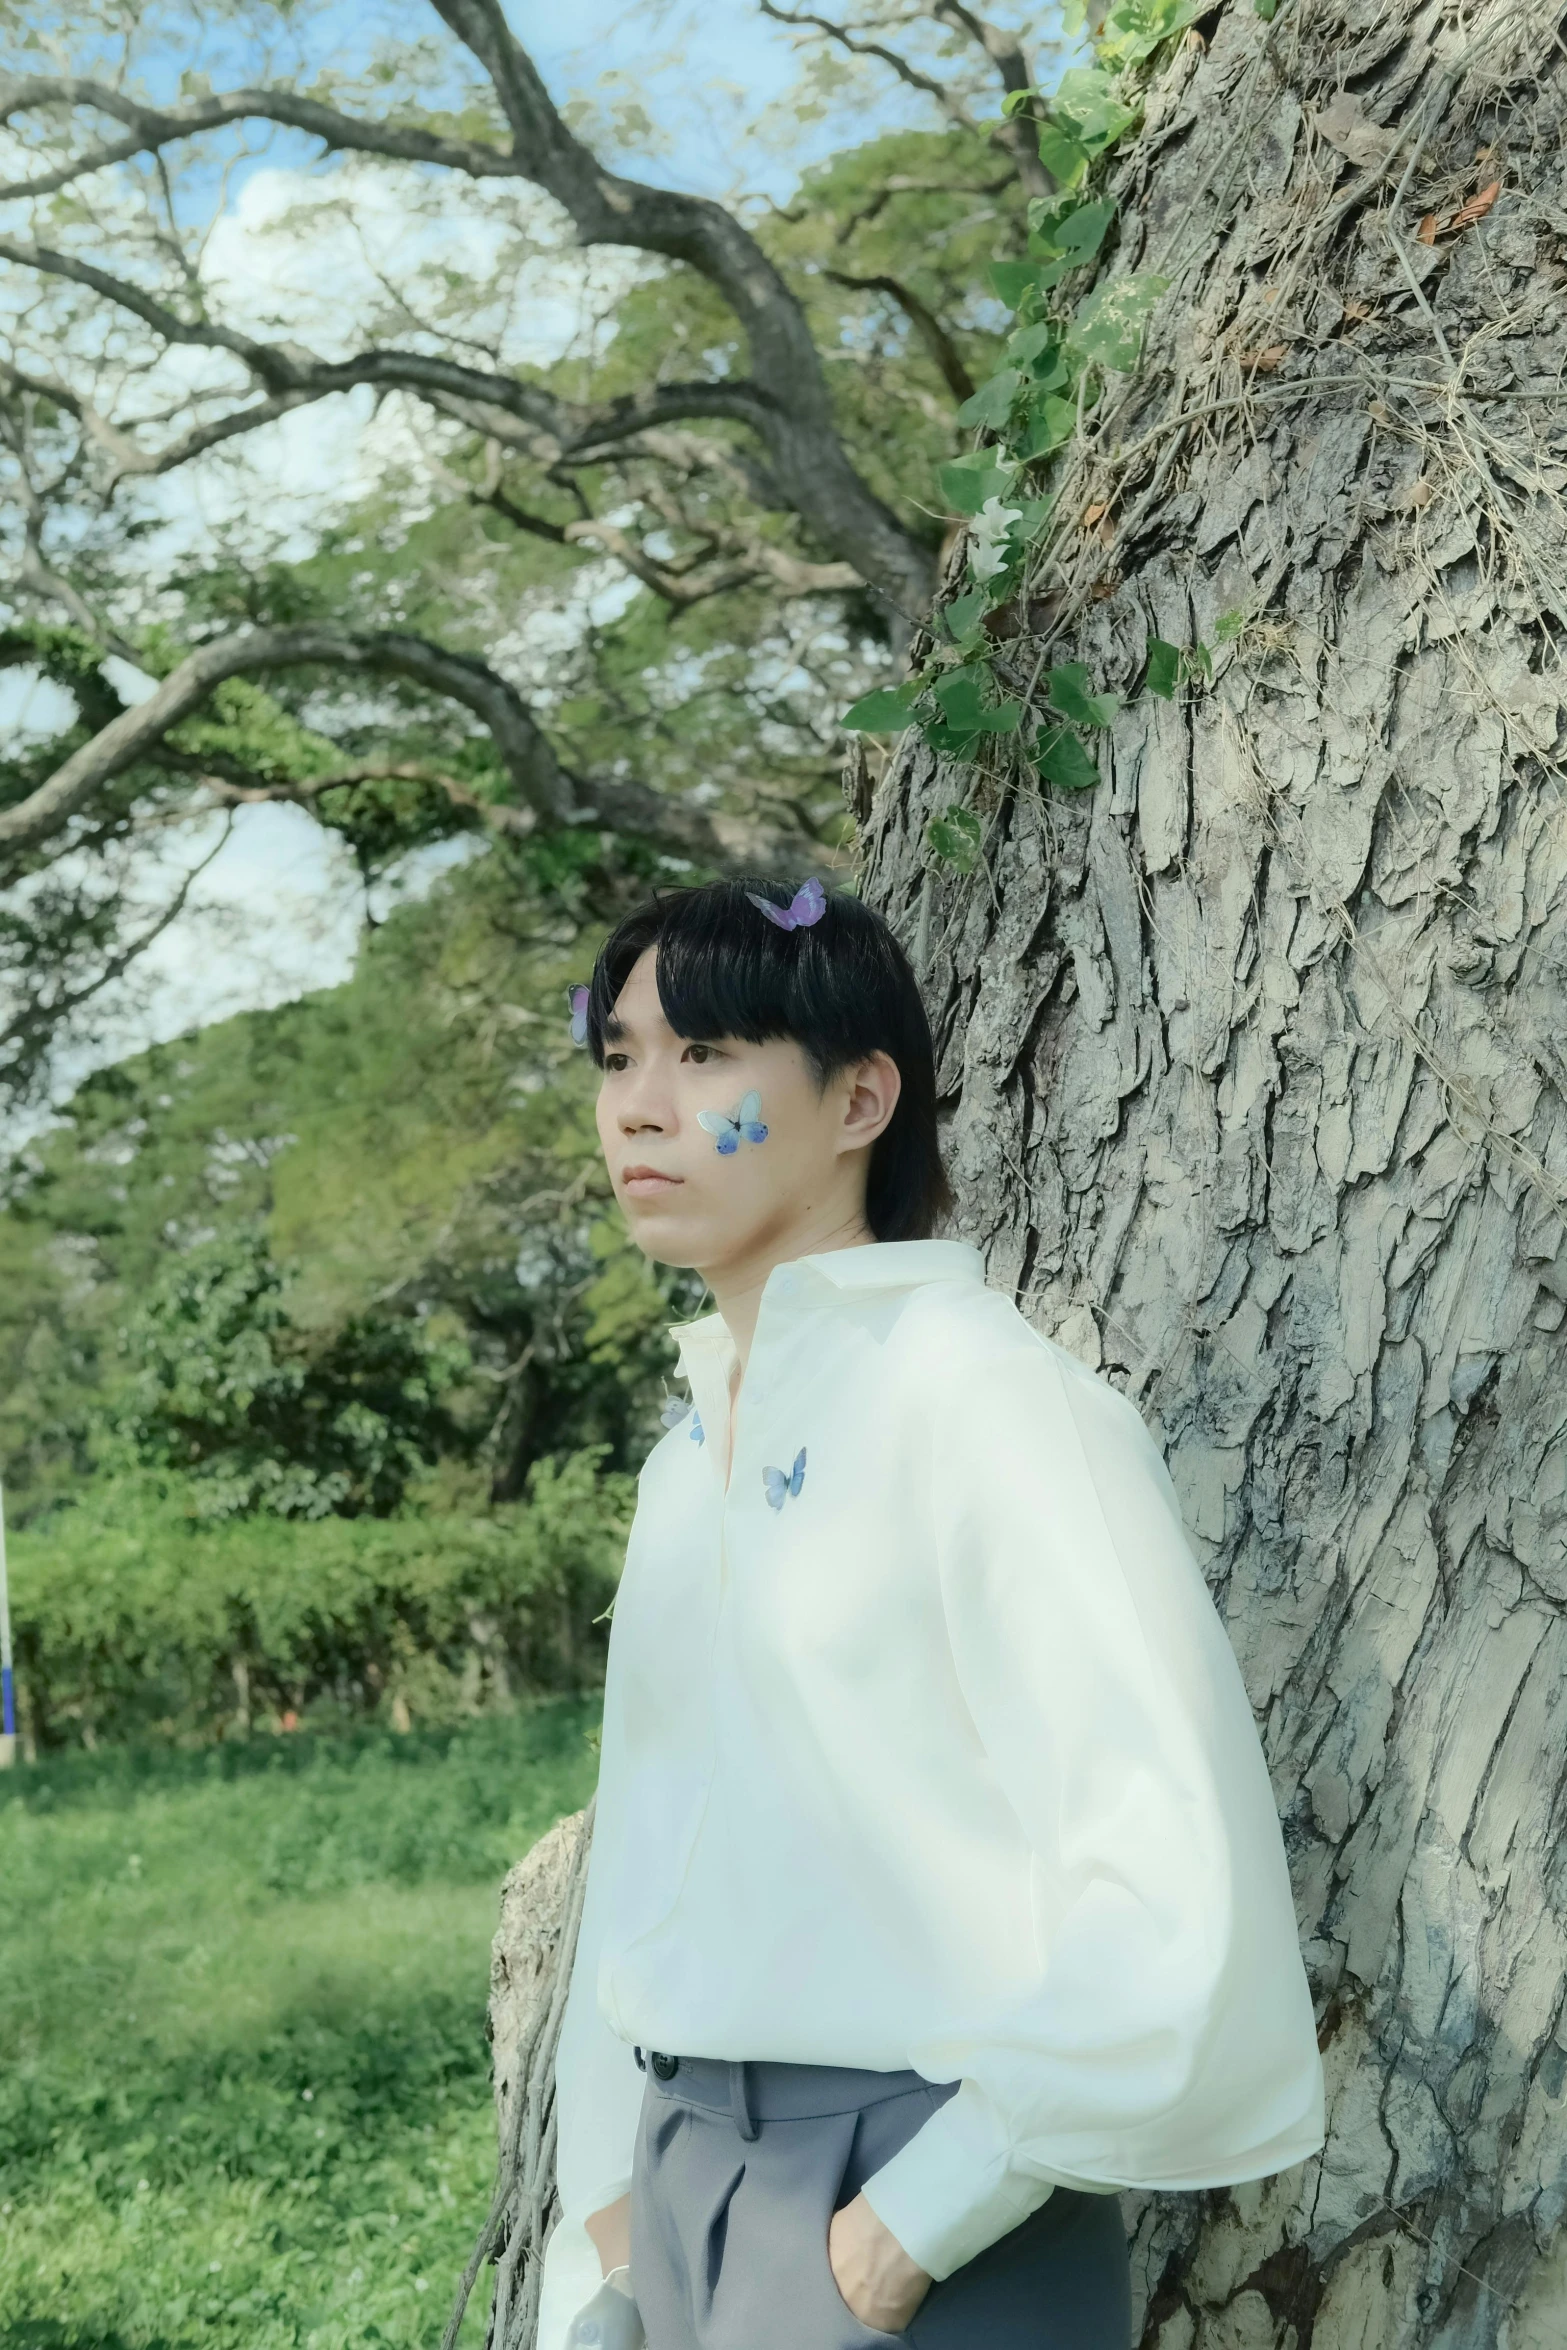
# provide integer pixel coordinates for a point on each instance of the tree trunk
(1253, 1076)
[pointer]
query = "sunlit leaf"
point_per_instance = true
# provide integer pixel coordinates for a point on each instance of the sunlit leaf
(968, 483)
(1088, 110)
(1062, 156)
(1108, 328)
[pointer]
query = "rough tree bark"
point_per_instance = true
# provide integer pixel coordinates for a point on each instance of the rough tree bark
(1253, 1075)
(1255, 1089)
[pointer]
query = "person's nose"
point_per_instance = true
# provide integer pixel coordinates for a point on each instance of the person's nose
(646, 1106)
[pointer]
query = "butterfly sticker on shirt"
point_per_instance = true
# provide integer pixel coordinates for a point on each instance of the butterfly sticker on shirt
(675, 1409)
(779, 1484)
(744, 1121)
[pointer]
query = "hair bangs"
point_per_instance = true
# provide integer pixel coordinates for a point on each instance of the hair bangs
(841, 987)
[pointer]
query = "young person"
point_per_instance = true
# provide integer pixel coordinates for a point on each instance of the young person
(936, 1889)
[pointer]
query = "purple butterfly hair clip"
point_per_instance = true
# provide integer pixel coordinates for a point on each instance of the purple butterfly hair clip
(808, 905)
(577, 997)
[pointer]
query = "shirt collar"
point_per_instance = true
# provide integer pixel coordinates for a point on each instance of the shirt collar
(876, 1264)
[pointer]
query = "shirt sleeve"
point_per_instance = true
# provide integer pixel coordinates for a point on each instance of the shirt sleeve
(598, 2084)
(1167, 2038)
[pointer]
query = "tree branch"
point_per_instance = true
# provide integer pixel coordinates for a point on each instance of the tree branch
(40, 1018)
(786, 404)
(548, 795)
(944, 95)
(924, 322)
(1003, 49)
(158, 126)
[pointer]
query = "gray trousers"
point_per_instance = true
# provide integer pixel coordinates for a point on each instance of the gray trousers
(737, 2171)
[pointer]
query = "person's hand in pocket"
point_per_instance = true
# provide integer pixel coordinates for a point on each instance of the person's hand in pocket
(879, 2282)
(610, 2321)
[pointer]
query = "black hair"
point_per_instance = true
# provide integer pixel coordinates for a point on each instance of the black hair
(841, 987)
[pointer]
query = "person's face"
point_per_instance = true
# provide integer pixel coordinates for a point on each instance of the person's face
(686, 1201)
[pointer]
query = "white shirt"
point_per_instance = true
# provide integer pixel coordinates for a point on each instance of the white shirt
(946, 1762)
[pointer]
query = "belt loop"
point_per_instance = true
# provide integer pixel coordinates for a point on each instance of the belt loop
(738, 2103)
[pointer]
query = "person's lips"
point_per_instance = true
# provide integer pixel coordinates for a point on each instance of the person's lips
(647, 1183)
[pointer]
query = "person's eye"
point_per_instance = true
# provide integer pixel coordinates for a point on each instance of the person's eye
(614, 1061)
(705, 1049)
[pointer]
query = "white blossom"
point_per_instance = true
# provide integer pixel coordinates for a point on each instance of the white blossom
(988, 539)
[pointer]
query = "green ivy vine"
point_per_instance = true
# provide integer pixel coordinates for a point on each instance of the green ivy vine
(1059, 354)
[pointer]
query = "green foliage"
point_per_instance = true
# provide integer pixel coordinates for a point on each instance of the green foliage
(1061, 759)
(1067, 690)
(1053, 365)
(226, 1387)
(353, 1255)
(1170, 666)
(245, 2101)
(1108, 328)
(955, 835)
(136, 1617)
(886, 711)
(408, 1141)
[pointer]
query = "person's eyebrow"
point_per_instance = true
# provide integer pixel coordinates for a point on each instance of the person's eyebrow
(615, 1030)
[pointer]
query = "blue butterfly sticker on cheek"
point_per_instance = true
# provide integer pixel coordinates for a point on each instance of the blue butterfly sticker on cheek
(744, 1120)
(778, 1485)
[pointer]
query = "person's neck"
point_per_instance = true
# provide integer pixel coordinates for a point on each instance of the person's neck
(737, 1286)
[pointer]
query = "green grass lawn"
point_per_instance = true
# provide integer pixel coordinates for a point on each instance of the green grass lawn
(244, 2080)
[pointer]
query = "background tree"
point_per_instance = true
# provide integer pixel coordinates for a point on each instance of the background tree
(713, 487)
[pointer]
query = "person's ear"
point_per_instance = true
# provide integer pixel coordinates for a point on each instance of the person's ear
(874, 1086)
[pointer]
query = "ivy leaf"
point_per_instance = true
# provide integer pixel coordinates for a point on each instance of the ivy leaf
(965, 613)
(1229, 626)
(1135, 30)
(955, 836)
(1027, 342)
(967, 483)
(1164, 668)
(1061, 759)
(1050, 422)
(1061, 155)
(961, 695)
(886, 711)
(992, 403)
(1050, 371)
(1082, 230)
(952, 739)
(1013, 280)
(1068, 691)
(1108, 328)
(1086, 107)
